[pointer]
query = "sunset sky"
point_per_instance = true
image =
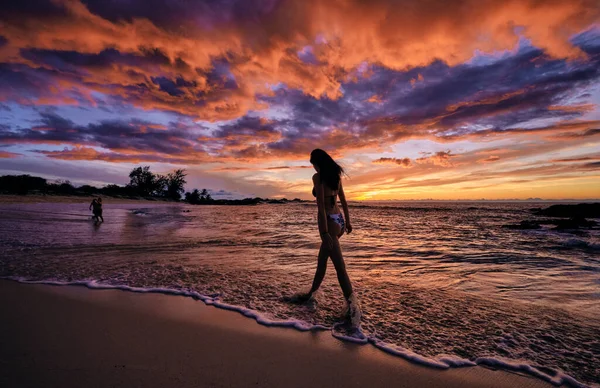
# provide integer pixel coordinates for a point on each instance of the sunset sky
(416, 99)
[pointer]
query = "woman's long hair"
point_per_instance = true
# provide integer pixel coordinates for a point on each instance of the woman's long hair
(329, 171)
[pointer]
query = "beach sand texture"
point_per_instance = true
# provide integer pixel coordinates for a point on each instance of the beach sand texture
(75, 337)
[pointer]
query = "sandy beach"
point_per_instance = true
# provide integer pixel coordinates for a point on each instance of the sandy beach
(38, 198)
(69, 336)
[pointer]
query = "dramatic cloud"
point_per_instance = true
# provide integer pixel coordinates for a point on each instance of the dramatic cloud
(129, 141)
(258, 84)
(236, 49)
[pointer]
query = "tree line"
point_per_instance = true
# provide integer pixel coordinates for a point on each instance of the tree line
(147, 184)
(142, 183)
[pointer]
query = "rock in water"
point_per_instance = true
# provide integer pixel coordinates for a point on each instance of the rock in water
(574, 223)
(581, 210)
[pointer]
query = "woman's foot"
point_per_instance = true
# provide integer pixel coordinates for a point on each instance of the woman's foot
(304, 297)
(353, 312)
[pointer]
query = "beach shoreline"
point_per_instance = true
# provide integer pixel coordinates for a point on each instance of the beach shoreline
(73, 336)
(39, 198)
(51, 198)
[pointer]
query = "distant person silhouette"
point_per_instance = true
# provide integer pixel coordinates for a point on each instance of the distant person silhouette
(327, 186)
(96, 205)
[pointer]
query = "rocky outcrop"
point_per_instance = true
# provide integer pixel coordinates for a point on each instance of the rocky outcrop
(569, 218)
(580, 210)
(574, 223)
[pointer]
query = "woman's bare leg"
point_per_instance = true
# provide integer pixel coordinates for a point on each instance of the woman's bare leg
(340, 268)
(338, 260)
(353, 309)
(321, 269)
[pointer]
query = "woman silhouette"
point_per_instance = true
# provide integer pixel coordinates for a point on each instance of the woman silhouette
(327, 187)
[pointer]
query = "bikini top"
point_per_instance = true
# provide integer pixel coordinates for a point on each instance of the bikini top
(332, 198)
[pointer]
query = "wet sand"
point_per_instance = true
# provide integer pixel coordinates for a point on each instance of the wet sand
(68, 336)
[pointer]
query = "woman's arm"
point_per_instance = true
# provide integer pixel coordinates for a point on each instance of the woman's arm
(319, 190)
(342, 196)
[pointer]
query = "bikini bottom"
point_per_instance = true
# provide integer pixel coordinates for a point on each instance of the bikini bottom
(338, 219)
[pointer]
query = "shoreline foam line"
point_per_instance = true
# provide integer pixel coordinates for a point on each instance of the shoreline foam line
(440, 362)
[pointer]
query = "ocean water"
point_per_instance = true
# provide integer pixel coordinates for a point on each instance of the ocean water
(440, 283)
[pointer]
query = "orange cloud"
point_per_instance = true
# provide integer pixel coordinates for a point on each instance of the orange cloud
(581, 108)
(440, 158)
(413, 81)
(344, 34)
(374, 99)
(8, 155)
